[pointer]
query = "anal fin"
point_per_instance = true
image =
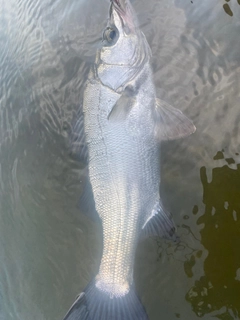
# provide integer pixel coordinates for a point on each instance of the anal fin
(160, 223)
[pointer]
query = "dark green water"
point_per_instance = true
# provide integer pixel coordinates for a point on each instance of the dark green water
(49, 250)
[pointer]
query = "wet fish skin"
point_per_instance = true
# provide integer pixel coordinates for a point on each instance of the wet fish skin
(124, 123)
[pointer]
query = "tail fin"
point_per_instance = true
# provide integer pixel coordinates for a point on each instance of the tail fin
(94, 304)
(78, 310)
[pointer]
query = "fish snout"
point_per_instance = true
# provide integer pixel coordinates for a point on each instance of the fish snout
(125, 12)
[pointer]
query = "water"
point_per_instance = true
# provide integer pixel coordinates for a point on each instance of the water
(49, 251)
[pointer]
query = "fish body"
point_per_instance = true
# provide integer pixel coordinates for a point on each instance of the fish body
(123, 171)
(123, 124)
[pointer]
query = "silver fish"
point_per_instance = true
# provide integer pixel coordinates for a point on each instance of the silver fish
(124, 123)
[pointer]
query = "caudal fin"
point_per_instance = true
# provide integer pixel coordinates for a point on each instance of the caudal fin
(94, 304)
(78, 310)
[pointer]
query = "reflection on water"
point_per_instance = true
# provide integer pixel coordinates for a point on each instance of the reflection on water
(219, 287)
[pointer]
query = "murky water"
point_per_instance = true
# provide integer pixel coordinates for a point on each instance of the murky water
(49, 251)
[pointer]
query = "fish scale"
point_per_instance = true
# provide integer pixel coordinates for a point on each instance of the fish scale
(118, 171)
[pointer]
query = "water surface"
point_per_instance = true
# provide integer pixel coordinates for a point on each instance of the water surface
(49, 250)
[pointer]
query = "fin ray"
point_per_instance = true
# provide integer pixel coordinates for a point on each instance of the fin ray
(94, 304)
(78, 310)
(170, 123)
(160, 223)
(123, 106)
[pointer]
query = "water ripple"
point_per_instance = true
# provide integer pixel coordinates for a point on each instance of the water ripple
(46, 48)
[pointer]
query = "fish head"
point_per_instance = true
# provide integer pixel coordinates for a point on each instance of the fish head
(124, 47)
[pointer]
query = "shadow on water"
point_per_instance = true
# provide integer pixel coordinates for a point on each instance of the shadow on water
(219, 288)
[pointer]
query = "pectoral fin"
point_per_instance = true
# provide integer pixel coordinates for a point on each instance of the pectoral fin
(160, 223)
(170, 123)
(122, 108)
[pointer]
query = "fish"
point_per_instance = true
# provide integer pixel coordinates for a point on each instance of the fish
(123, 123)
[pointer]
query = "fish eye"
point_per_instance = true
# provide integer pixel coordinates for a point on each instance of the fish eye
(110, 35)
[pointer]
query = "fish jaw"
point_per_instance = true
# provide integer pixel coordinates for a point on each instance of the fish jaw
(125, 11)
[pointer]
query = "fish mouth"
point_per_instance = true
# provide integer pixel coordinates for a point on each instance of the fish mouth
(125, 12)
(120, 6)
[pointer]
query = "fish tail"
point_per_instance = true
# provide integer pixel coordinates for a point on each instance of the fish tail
(94, 304)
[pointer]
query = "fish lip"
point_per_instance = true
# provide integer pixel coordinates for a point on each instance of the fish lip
(115, 4)
(123, 9)
(119, 5)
